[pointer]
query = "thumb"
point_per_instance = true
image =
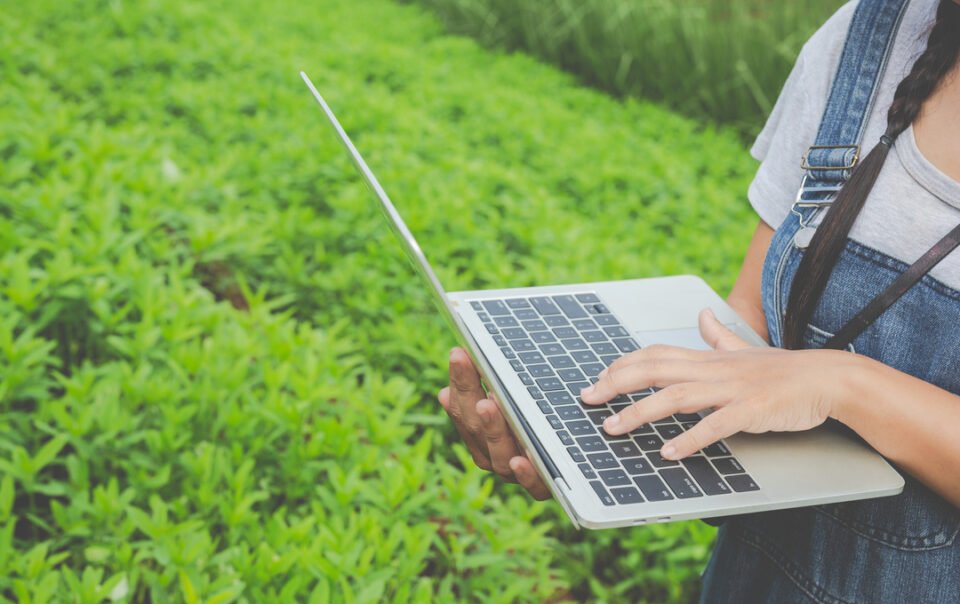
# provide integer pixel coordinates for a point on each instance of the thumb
(717, 335)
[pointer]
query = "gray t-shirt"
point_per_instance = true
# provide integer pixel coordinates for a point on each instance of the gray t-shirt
(913, 204)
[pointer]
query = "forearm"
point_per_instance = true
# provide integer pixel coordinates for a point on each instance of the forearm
(745, 297)
(909, 421)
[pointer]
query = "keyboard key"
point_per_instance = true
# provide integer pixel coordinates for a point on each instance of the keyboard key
(535, 393)
(574, 344)
(526, 379)
(616, 331)
(649, 442)
(559, 397)
(717, 449)
(594, 336)
(605, 320)
(552, 349)
(545, 407)
(569, 412)
(545, 306)
(614, 478)
(597, 309)
(669, 431)
(534, 325)
(526, 314)
(496, 307)
(517, 365)
(627, 495)
(484, 317)
(653, 488)
(539, 371)
(625, 449)
(617, 408)
(626, 344)
(570, 306)
(588, 472)
(606, 348)
(708, 479)
(659, 462)
(509, 354)
(584, 356)
(598, 417)
(592, 444)
(581, 428)
(523, 345)
(513, 333)
(576, 387)
(588, 298)
(476, 305)
(565, 332)
(637, 465)
(570, 375)
(592, 369)
(602, 461)
(728, 465)
(500, 340)
(687, 417)
(584, 324)
(576, 455)
(491, 328)
(542, 337)
(680, 483)
(620, 399)
(602, 493)
(741, 483)
(531, 358)
(549, 383)
(562, 362)
(555, 422)
(508, 321)
(517, 303)
(556, 321)
(565, 438)
(639, 396)
(608, 359)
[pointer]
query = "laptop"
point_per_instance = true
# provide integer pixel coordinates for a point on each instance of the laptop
(536, 347)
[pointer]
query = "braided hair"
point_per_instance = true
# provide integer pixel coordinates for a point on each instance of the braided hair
(938, 60)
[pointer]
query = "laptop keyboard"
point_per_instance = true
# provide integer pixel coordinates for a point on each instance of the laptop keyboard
(557, 345)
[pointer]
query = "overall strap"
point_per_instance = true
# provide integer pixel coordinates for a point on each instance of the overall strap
(836, 150)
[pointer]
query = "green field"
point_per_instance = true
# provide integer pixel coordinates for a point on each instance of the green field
(723, 60)
(217, 369)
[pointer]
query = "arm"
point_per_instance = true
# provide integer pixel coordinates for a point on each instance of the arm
(745, 298)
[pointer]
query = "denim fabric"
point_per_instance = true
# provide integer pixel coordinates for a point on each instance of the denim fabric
(893, 549)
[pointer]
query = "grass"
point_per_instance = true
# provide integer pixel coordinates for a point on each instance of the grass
(719, 60)
(217, 370)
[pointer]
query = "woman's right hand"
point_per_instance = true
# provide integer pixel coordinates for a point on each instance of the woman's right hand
(484, 430)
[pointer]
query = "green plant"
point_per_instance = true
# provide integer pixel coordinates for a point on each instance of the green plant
(217, 370)
(721, 60)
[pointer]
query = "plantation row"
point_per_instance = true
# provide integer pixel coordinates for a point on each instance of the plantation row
(217, 370)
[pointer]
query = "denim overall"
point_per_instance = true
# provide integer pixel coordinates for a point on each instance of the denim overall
(894, 549)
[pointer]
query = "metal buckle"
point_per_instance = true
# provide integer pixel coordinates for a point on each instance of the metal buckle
(804, 164)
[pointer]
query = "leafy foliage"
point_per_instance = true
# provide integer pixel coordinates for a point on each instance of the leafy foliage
(216, 367)
(723, 60)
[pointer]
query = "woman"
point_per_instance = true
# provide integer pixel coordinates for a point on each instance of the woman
(899, 388)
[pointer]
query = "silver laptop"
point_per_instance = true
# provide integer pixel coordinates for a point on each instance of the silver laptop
(536, 347)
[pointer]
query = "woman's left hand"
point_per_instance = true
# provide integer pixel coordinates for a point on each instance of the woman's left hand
(751, 389)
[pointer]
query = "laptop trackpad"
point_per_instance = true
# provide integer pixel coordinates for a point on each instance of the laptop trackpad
(688, 337)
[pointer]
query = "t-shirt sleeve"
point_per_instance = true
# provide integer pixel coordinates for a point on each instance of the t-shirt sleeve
(793, 123)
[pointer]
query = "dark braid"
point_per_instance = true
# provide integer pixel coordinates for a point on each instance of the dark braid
(943, 48)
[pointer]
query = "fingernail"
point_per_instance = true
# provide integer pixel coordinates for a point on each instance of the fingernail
(611, 421)
(452, 350)
(587, 390)
(514, 463)
(668, 452)
(602, 373)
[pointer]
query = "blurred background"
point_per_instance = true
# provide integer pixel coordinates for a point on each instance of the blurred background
(217, 369)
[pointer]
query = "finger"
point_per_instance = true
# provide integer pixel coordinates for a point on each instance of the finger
(465, 391)
(501, 446)
(718, 425)
(718, 335)
(478, 453)
(639, 376)
(528, 477)
(686, 397)
(657, 351)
